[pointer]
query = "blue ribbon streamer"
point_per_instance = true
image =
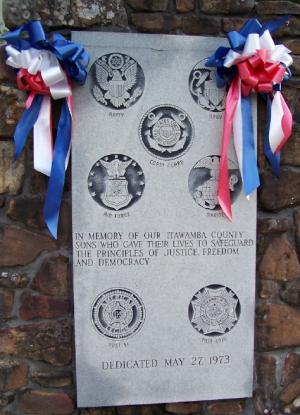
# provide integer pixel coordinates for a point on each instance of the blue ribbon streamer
(250, 171)
(57, 176)
(26, 123)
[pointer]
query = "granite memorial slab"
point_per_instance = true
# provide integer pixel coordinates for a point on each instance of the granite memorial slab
(164, 283)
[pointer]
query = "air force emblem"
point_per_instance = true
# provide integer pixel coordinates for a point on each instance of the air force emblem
(166, 131)
(116, 181)
(118, 81)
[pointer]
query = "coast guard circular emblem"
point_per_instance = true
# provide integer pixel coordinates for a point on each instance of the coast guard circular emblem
(203, 88)
(118, 81)
(118, 313)
(166, 131)
(116, 181)
(203, 182)
(214, 310)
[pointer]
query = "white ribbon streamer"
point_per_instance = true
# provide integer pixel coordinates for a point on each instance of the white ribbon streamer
(35, 60)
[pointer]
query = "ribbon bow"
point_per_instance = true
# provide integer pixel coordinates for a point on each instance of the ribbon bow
(253, 64)
(45, 69)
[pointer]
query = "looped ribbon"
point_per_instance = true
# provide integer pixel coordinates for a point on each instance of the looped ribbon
(253, 63)
(45, 70)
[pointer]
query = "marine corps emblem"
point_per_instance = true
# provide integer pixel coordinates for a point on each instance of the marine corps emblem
(116, 181)
(214, 310)
(166, 131)
(203, 182)
(118, 81)
(118, 313)
(203, 88)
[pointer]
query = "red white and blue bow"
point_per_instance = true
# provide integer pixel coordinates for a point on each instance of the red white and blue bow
(46, 68)
(253, 64)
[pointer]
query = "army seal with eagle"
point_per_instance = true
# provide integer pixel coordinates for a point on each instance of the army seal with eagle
(117, 81)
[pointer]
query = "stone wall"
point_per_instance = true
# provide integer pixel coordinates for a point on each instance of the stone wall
(36, 334)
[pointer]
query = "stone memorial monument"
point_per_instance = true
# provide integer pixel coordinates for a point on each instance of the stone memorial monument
(164, 283)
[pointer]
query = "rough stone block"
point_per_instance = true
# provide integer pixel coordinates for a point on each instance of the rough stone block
(78, 13)
(267, 226)
(53, 277)
(279, 262)
(267, 289)
(51, 379)
(13, 280)
(291, 368)
(184, 6)
(233, 23)
(13, 375)
(226, 6)
(193, 25)
(225, 407)
(50, 342)
(28, 211)
(149, 5)
(19, 246)
(291, 392)
(184, 408)
(156, 22)
(44, 402)
(293, 45)
(279, 193)
(12, 104)
(277, 7)
(6, 303)
(11, 172)
(291, 150)
(277, 326)
(266, 390)
(290, 293)
(42, 306)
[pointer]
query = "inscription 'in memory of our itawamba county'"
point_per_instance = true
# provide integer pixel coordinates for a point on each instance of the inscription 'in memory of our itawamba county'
(163, 282)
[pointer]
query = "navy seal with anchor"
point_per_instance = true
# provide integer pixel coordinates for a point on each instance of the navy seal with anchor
(116, 181)
(202, 86)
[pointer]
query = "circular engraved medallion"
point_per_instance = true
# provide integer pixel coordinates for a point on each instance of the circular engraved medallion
(166, 131)
(203, 88)
(117, 81)
(118, 313)
(203, 182)
(116, 181)
(214, 310)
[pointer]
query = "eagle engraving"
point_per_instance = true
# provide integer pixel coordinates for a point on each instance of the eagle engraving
(116, 82)
(115, 168)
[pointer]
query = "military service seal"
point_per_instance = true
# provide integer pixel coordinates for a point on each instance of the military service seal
(203, 182)
(166, 131)
(214, 310)
(118, 313)
(116, 182)
(117, 81)
(202, 86)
